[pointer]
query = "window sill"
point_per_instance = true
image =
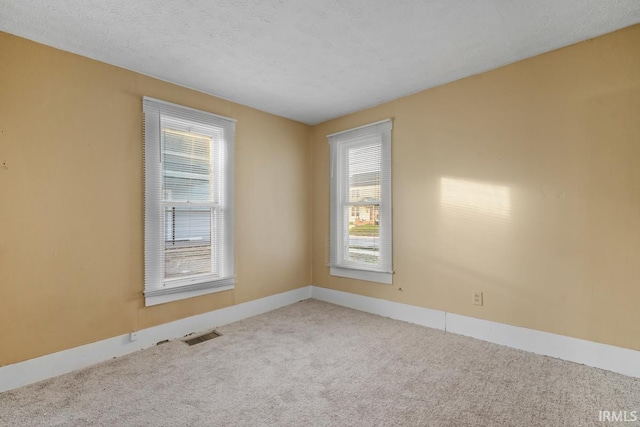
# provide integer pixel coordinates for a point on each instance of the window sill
(370, 276)
(161, 299)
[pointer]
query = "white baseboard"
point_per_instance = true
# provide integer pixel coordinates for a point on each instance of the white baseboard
(51, 365)
(616, 359)
(395, 310)
(603, 356)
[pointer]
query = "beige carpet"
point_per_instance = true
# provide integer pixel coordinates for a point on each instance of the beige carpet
(314, 363)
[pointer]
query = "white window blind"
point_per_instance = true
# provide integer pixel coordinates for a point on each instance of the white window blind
(188, 181)
(360, 223)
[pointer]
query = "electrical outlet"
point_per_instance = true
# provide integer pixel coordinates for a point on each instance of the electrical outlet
(477, 298)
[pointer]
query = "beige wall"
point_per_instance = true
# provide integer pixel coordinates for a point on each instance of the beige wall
(71, 200)
(522, 182)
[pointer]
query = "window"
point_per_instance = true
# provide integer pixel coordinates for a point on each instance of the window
(360, 230)
(188, 218)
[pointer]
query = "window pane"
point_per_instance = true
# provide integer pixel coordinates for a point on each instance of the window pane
(364, 173)
(186, 165)
(364, 234)
(187, 241)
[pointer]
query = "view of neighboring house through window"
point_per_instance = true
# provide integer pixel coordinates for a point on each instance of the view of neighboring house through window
(188, 202)
(360, 239)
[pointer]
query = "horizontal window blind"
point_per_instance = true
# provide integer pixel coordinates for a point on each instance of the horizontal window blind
(188, 199)
(360, 223)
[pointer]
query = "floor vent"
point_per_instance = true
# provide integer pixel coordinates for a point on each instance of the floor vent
(201, 338)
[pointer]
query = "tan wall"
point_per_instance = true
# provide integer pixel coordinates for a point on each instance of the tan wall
(71, 201)
(522, 182)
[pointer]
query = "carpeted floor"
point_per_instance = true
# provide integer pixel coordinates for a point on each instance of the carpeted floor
(314, 363)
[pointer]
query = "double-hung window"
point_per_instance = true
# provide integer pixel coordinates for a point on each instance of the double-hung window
(360, 224)
(188, 212)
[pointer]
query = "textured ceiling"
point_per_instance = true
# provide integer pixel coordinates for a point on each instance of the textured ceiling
(312, 60)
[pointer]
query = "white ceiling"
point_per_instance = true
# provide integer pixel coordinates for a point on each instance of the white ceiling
(312, 60)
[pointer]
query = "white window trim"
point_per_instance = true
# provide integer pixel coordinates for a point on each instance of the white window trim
(161, 299)
(370, 276)
(339, 143)
(158, 290)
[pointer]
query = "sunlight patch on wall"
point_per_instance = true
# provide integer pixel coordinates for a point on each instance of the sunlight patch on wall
(474, 236)
(473, 197)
